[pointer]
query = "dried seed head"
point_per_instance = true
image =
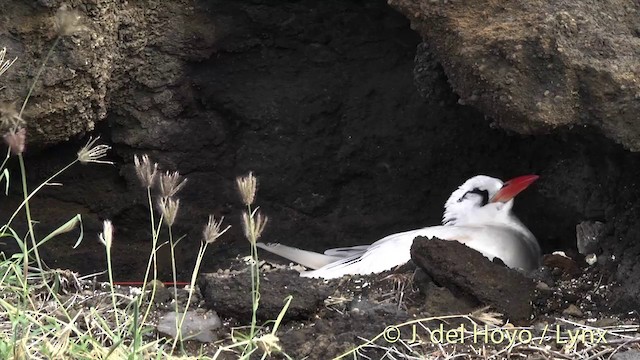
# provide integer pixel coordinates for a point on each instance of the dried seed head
(92, 154)
(212, 231)
(106, 237)
(487, 317)
(253, 225)
(16, 140)
(247, 187)
(171, 183)
(20, 349)
(5, 65)
(169, 208)
(67, 22)
(145, 170)
(10, 117)
(269, 343)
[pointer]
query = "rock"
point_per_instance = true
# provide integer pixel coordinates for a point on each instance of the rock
(538, 65)
(231, 294)
(163, 295)
(542, 286)
(195, 326)
(626, 355)
(468, 274)
(362, 306)
(95, 67)
(588, 234)
(440, 300)
(545, 275)
(430, 79)
(572, 310)
(562, 263)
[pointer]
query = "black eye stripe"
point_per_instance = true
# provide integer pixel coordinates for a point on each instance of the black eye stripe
(483, 193)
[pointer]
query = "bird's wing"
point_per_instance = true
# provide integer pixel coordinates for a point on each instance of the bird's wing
(518, 250)
(306, 258)
(340, 261)
(514, 248)
(349, 251)
(386, 253)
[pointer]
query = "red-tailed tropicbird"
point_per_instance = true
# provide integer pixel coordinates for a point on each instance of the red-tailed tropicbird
(478, 214)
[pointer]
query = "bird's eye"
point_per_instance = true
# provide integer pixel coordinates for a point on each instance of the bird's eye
(483, 193)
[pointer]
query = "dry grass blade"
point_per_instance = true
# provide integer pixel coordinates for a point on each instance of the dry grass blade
(5, 64)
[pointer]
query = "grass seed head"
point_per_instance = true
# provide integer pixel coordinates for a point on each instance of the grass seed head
(212, 231)
(5, 64)
(92, 154)
(16, 140)
(106, 237)
(247, 186)
(169, 208)
(269, 343)
(145, 170)
(67, 22)
(10, 117)
(171, 183)
(253, 225)
(488, 317)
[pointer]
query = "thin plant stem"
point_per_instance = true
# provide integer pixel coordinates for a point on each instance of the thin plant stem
(175, 282)
(25, 192)
(25, 289)
(153, 257)
(255, 278)
(255, 285)
(31, 231)
(38, 74)
(22, 168)
(35, 191)
(194, 274)
(6, 158)
(111, 284)
(154, 240)
(192, 286)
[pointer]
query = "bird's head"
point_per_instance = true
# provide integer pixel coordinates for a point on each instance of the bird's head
(483, 199)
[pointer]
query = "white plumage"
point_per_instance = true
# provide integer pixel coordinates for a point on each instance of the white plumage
(477, 214)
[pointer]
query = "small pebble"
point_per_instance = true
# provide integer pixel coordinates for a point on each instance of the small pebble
(626, 355)
(196, 326)
(572, 310)
(542, 286)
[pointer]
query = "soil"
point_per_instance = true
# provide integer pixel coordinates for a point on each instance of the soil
(406, 312)
(359, 308)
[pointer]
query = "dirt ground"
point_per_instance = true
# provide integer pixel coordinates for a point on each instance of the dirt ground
(335, 317)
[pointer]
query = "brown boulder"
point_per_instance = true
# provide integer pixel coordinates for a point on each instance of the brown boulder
(230, 294)
(537, 65)
(468, 274)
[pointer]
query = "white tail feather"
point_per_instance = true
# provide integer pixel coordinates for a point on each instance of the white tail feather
(345, 252)
(306, 258)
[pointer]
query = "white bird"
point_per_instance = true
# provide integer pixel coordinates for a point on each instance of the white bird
(477, 214)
